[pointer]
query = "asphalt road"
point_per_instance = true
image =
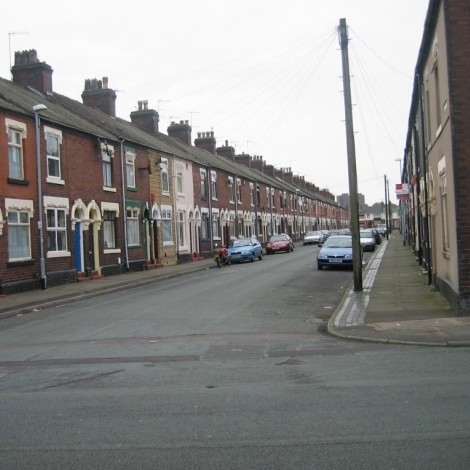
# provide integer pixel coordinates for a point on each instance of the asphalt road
(228, 368)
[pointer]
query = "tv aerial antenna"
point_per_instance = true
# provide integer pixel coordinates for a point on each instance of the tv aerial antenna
(10, 34)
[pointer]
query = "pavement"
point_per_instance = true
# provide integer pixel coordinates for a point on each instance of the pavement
(396, 305)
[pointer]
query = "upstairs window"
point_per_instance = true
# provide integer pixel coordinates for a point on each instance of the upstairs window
(203, 184)
(130, 169)
(231, 189)
(165, 180)
(214, 185)
(179, 179)
(53, 156)
(53, 152)
(106, 156)
(239, 190)
(15, 154)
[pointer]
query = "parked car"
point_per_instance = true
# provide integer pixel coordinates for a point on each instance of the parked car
(382, 228)
(378, 237)
(336, 251)
(280, 242)
(312, 238)
(245, 249)
(367, 239)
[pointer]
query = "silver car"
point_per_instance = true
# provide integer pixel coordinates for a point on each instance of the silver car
(368, 241)
(312, 238)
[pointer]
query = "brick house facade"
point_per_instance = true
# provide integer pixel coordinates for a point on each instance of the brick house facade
(437, 159)
(119, 195)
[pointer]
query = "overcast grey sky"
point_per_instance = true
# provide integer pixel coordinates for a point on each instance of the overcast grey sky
(264, 75)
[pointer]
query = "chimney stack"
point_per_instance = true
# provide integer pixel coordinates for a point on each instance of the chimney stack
(181, 131)
(98, 95)
(206, 141)
(28, 71)
(144, 118)
(226, 151)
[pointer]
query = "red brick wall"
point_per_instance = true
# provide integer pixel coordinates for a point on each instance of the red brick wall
(457, 13)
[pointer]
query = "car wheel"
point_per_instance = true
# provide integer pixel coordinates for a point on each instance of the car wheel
(252, 259)
(260, 257)
(320, 267)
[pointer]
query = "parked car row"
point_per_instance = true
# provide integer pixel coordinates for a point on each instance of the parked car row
(280, 242)
(249, 248)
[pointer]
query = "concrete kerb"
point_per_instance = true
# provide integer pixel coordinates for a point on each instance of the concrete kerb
(349, 301)
(28, 308)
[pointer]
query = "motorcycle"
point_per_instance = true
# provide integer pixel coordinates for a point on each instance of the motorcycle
(221, 256)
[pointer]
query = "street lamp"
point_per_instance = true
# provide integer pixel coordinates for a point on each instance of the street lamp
(37, 109)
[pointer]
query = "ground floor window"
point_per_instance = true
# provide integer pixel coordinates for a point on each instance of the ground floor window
(56, 230)
(180, 228)
(19, 235)
(205, 225)
(166, 226)
(133, 235)
(109, 229)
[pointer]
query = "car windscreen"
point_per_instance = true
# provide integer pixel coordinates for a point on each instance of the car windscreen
(241, 243)
(338, 242)
(278, 238)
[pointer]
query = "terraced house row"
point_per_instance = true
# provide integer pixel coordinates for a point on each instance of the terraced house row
(84, 193)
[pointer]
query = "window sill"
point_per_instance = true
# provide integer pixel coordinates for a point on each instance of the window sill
(55, 181)
(108, 251)
(108, 189)
(20, 263)
(58, 254)
(18, 181)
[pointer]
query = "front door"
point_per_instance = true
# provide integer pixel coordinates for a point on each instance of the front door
(78, 247)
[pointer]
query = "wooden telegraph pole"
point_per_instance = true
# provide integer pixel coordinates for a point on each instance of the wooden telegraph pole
(353, 198)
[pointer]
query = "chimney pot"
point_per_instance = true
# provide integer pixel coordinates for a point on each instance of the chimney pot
(105, 83)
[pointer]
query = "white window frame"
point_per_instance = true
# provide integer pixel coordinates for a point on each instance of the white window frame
(165, 177)
(231, 189)
(23, 224)
(50, 133)
(167, 226)
(56, 231)
(109, 230)
(18, 129)
(203, 186)
(239, 190)
(179, 178)
(133, 226)
(130, 168)
(205, 225)
(107, 154)
(180, 223)
(213, 185)
(215, 225)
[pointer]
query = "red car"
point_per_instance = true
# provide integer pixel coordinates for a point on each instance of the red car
(280, 242)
